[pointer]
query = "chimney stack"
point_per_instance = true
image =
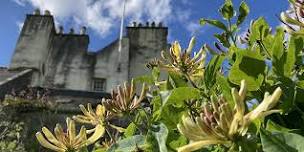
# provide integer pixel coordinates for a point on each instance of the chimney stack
(47, 12)
(71, 31)
(37, 11)
(60, 30)
(83, 30)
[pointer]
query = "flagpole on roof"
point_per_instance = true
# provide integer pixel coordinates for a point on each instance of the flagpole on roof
(121, 35)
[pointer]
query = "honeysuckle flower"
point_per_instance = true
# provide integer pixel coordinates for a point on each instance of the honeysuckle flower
(68, 141)
(90, 116)
(181, 61)
(293, 19)
(95, 118)
(124, 99)
(218, 123)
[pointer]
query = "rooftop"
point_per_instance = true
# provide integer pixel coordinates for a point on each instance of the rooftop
(5, 73)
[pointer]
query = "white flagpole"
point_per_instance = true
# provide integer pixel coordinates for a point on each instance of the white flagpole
(121, 35)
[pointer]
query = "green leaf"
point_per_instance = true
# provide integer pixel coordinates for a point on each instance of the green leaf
(160, 133)
(277, 49)
(294, 47)
(175, 140)
(227, 10)
(155, 73)
(171, 116)
(128, 144)
(300, 84)
(225, 88)
(215, 23)
(244, 11)
(148, 79)
(212, 69)
(250, 66)
(272, 127)
(281, 142)
(259, 30)
(176, 80)
(130, 130)
(177, 96)
(223, 38)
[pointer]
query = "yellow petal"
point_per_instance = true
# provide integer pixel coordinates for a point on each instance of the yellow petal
(191, 45)
(199, 145)
(243, 90)
(90, 110)
(289, 20)
(90, 131)
(82, 119)
(84, 110)
(119, 129)
(43, 142)
(52, 138)
(59, 133)
(81, 138)
(268, 103)
(233, 129)
(71, 129)
(176, 50)
(99, 131)
(100, 110)
(239, 103)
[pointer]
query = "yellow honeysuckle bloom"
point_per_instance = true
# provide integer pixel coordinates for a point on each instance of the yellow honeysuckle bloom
(95, 118)
(124, 99)
(293, 19)
(220, 124)
(68, 141)
(90, 116)
(181, 61)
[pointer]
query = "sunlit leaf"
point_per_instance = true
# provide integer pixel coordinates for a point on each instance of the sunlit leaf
(227, 10)
(215, 23)
(244, 11)
(250, 66)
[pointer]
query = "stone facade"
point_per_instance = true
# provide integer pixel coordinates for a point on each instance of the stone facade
(61, 60)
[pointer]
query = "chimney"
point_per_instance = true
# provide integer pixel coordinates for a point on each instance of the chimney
(37, 11)
(60, 30)
(153, 24)
(134, 24)
(160, 24)
(71, 31)
(47, 12)
(83, 30)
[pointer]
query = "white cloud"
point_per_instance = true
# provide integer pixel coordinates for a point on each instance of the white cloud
(195, 28)
(102, 15)
(20, 25)
(19, 2)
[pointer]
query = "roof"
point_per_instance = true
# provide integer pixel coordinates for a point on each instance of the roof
(5, 73)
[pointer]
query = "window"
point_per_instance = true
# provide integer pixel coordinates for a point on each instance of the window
(99, 84)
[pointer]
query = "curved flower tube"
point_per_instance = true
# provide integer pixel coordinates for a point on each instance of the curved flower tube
(68, 141)
(220, 124)
(181, 61)
(90, 116)
(124, 99)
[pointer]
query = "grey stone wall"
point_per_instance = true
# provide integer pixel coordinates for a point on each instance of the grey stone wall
(146, 43)
(69, 65)
(107, 64)
(34, 40)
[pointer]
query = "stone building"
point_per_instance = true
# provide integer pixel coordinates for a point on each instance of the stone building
(49, 58)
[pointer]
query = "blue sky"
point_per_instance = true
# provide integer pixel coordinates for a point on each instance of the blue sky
(102, 17)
